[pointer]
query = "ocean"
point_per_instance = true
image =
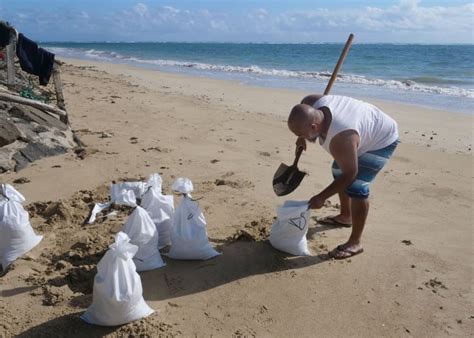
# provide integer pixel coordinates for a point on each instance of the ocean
(434, 76)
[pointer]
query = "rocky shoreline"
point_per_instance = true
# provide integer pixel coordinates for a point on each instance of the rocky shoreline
(28, 133)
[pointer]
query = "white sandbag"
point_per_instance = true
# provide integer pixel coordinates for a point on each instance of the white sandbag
(160, 208)
(118, 294)
(143, 233)
(288, 233)
(117, 194)
(16, 234)
(188, 233)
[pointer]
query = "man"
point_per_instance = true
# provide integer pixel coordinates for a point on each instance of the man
(361, 138)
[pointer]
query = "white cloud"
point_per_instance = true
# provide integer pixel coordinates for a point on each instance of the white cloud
(141, 9)
(171, 9)
(406, 20)
(407, 15)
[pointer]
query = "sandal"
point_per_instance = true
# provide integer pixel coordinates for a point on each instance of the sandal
(342, 253)
(331, 220)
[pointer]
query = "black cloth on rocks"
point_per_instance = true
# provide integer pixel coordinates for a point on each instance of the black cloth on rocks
(34, 60)
(5, 33)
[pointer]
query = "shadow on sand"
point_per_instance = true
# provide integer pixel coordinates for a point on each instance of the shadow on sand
(239, 259)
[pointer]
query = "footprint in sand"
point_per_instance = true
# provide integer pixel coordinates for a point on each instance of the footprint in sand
(435, 285)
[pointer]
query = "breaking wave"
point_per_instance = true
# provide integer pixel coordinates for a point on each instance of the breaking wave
(408, 84)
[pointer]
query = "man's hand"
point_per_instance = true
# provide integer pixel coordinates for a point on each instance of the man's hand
(300, 142)
(316, 202)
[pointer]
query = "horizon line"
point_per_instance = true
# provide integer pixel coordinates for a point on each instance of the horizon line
(269, 42)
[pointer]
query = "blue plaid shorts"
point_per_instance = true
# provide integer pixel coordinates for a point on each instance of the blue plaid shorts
(369, 166)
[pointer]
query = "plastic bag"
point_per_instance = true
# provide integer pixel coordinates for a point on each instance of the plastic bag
(188, 233)
(142, 232)
(118, 294)
(121, 195)
(288, 233)
(160, 208)
(16, 234)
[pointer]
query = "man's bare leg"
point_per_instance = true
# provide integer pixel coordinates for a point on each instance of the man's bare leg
(345, 216)
(360, 210)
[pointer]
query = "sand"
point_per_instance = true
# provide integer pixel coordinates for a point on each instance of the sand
(414, 279)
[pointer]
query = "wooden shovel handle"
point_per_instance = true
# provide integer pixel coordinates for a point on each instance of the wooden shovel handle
(298, 155)
(339, 64)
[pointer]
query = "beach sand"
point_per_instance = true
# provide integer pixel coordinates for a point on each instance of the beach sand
(414, 279)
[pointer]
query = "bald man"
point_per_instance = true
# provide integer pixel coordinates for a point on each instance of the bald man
(361, 138)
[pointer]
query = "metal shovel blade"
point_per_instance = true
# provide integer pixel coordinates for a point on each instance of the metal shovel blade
(287, 179)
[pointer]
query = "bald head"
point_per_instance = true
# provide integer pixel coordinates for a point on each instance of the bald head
(303, 115)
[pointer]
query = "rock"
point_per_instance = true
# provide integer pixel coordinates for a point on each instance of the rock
(35, 151)
(21, 180)
(28, 134)
(105, 135)
(4, 106)
(40, 129)
(9, 133)
(20, 161)
(32, 114)
(7, 163)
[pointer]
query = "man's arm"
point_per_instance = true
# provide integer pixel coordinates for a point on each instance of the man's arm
(343, 148)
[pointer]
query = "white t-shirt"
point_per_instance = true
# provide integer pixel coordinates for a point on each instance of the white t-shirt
(375, 128)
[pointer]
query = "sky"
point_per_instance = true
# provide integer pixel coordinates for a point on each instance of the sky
(291, 21)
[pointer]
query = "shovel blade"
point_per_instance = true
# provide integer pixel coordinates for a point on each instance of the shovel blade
(287, 179)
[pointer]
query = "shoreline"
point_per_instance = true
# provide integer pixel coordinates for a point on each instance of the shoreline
(443, 92)
(418, 89)
(454, 122)
(79, 61)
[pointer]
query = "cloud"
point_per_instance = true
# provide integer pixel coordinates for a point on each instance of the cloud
(406, 20)
(407, 15)
(141, 9)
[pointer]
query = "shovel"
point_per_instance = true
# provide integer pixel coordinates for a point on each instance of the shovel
(288, 178)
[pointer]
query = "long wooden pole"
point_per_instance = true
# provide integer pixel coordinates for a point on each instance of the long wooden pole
(58, 86)
(339, 63)
(11, 48)
(32, 103)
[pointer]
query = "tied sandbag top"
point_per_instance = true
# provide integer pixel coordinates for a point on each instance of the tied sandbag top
(34, 60)
(154, 181)
(182, 185)
(122, 246)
